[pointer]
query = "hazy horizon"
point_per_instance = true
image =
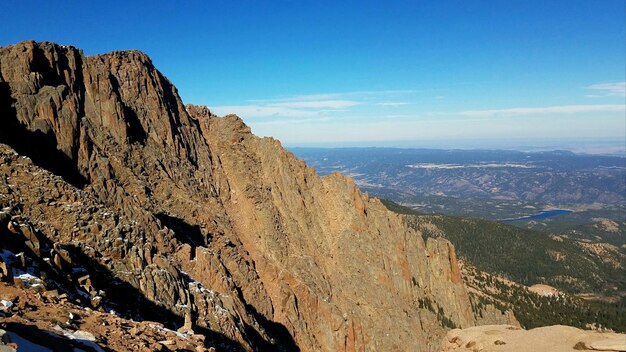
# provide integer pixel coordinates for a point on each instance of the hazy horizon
(614, 147)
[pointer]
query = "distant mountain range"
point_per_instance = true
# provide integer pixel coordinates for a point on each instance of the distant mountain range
(558, 178)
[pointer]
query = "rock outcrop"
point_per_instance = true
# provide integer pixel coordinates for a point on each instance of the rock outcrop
(172, 214)
(34, 322)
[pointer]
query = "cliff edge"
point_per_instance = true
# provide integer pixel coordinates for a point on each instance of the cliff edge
(122, 198)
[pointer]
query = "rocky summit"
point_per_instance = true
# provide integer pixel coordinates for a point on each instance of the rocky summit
(126, 213)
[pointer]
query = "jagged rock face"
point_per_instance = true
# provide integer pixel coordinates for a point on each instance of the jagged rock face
(207, 221)
(342, 271)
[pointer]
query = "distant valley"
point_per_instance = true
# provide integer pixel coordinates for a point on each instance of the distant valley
(567, 212)
(490, 184)
(558, 177)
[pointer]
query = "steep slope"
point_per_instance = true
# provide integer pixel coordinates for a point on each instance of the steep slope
(352, 269)
(531, 257)
(184, 217)
(571, 264)
(502, 265)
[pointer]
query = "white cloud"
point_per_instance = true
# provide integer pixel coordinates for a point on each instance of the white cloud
(382, 92)
(609, 89)
(286, 109)
(262, 111)
(354, 95)
(308, 97)
(563, 109)
(287, 122)
(310, 105)
(398, 116)
(391, 103)
(317, 104)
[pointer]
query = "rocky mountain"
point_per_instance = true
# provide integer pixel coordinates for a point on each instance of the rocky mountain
(543, 278)
(117, 197)
(531, 257)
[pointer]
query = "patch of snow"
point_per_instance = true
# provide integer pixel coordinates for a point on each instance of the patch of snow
(220, 310)
(84, 335)
(197, 287)
(81, 337)
(161, 328)
(6, 304)
(28, 279)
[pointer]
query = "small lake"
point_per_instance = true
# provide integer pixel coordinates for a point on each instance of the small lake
(539, 216)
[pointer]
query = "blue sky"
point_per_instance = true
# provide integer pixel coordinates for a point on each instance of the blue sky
(436, 73)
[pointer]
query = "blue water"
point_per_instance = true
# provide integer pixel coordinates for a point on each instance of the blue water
(540, 216)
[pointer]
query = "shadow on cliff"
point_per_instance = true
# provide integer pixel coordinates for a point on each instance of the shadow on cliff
(283, 340)
(192, 235)
(40, 147)
(183, 231)
(136, 132)
(31, 338)
(131, 303)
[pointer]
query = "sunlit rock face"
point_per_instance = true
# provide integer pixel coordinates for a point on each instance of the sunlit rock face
(186, 217)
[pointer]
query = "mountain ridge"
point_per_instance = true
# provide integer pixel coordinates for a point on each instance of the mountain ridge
(224, 232)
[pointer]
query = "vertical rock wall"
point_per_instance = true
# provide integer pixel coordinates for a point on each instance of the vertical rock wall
(224, 228)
